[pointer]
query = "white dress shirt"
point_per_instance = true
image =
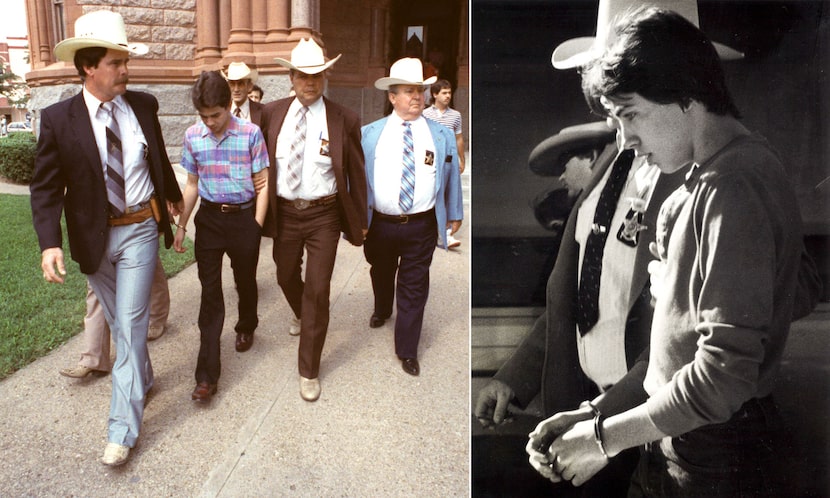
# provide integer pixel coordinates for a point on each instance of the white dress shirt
(389, 166)
(602, 349)
(244, 110)
(318, 174)
(138, 185)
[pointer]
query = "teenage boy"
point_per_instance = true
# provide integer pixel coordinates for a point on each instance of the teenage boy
(728, 243)
(224, 157)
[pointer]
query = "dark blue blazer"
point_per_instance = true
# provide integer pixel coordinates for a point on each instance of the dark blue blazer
(69, 178)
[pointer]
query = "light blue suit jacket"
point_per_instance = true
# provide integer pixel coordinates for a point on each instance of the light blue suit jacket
(448, 196)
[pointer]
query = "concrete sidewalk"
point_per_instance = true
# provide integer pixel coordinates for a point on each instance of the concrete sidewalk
(375, 431)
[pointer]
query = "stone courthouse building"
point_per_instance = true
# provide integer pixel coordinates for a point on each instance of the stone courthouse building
(189, 36)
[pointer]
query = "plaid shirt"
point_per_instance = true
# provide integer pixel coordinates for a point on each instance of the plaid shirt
(225, 166)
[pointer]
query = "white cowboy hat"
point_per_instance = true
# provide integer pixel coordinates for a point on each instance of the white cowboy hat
(579, 51)
(240, 71)
(102, 28)
(307, 57)
(406, 71)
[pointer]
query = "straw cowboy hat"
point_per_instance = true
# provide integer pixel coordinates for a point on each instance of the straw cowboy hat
(307, 57)
(102, 28)
(579, 51)
(552, 154)
(406, 71)
(240, 71)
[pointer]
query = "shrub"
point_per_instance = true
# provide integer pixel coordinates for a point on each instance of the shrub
(17, 157)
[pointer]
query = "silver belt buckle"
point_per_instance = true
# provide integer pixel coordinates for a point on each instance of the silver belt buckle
(301, 204)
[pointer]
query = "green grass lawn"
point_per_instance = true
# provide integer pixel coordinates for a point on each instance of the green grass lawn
(35, 316)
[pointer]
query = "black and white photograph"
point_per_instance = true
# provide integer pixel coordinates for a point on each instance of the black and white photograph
(628, 336)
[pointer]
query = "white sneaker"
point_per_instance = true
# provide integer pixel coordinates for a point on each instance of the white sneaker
(294, 326)
(452, 241)
(115, 454)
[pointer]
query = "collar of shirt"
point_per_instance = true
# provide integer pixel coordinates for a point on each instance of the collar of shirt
(313, 110)
(244, 109)
(397, 121)
(93, 103)
(234, 125)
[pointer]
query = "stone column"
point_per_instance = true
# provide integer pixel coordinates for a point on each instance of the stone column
(259, 21)
(38, 15)
(207, 35)
(463, 49)
(377, 37)
(224, 24)
(240, 43)
(279, 19)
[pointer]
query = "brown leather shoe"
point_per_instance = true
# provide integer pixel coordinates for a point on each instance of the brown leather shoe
(375, 321)
(411, 366)
(203, 392)
(244, 341)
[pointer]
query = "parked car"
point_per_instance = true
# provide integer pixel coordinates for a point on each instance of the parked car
(18, 126)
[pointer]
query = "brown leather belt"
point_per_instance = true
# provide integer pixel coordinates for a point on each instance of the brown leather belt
(228, 208)
(300, 204)
(404, 218)
(129, 219)
(133, 214)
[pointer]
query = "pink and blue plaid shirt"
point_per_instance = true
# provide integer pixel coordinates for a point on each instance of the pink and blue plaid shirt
(225, 166)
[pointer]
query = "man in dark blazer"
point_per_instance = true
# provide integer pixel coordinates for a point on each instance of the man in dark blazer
(241, 81)
(317, 189)
(407, 210)
(547, 361)
(87, 143)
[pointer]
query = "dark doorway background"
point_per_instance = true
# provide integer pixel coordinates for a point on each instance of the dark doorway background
(440, 21)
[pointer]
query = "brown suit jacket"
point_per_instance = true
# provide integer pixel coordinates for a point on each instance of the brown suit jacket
(256, 112)
(346, 159)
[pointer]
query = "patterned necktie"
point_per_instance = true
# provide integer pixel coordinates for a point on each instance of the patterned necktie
(237, 112)
(115, 163)
(587, 309)
(295, 157)
(408, 175)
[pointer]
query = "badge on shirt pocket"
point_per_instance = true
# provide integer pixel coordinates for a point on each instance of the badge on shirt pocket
(429, 160)
(324, 147)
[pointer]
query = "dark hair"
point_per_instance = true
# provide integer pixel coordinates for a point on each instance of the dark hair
(88, 57)
(664, 58)
(256, 88)
(439, 85)
(211, 90)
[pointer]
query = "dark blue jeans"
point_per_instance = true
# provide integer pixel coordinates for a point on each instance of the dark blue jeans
(740, 458)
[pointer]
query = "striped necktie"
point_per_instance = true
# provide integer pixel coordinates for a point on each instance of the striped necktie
(408, 175)
(295, 157)
(237, 112)
(115, 163)
(587, 302)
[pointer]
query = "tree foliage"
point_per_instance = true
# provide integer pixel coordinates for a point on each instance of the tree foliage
(13, 87)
